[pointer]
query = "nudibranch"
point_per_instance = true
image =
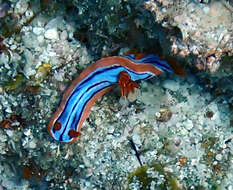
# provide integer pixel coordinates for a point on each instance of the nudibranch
(94, 82)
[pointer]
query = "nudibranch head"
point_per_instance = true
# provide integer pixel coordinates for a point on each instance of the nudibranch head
(58, 131)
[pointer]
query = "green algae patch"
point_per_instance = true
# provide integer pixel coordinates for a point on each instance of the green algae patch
(141, 174)
(13, 83)
(145, 175)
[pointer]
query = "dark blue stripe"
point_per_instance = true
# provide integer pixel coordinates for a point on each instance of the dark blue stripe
(88, 78)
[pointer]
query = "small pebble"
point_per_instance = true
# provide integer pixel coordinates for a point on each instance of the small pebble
(27, 132)
(8, 110)
(32, 145)
(9, 133)
(13, 47)
(209, 114)
(29, 13)
(38, 30)
(182, 161)
(111, 129)
(51, 34)
(219, 157)
(163, 115)
(188, 124)
(98, 121)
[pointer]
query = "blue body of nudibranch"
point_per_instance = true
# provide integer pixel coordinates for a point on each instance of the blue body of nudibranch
(102, 75)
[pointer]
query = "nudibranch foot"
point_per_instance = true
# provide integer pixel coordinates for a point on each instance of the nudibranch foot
(126, 84)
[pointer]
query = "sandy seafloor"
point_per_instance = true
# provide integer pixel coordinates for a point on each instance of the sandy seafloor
(180, 126)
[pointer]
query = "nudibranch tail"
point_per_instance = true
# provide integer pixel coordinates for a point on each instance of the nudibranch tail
(94, 82)
(152, 59)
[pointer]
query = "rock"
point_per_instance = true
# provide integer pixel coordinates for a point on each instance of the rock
(63, 35)
(3, 9)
